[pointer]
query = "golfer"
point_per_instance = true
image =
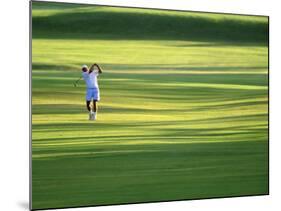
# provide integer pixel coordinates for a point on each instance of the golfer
(92, 92)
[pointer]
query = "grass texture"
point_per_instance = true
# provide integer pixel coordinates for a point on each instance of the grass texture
(183, 111)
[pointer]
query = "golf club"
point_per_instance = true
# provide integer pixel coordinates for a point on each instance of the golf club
(75, 83)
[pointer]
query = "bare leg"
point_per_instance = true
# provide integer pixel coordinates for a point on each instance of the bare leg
(88, 105)
(95, 106)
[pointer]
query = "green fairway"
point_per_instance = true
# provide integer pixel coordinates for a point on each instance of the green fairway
(183, 111)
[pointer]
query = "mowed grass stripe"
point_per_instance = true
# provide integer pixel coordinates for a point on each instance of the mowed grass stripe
(181, 116)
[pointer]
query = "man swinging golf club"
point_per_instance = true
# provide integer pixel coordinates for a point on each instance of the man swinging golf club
(92, 91)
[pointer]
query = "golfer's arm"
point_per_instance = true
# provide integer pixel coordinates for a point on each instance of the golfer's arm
(91, 68)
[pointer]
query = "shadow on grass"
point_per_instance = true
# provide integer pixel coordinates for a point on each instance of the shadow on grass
(52, 67)
(81, 108)
(168, 133)
(140, 67)
(37, 5)
(68, 126)
(184, 67)
(157, 73)
(169, 136)
(126, 25)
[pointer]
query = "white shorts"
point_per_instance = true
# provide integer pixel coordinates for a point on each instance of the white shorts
(93, 94)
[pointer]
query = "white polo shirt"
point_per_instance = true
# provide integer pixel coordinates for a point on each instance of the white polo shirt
(91, 79)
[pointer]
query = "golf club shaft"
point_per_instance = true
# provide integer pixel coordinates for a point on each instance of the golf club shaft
(75, 83)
